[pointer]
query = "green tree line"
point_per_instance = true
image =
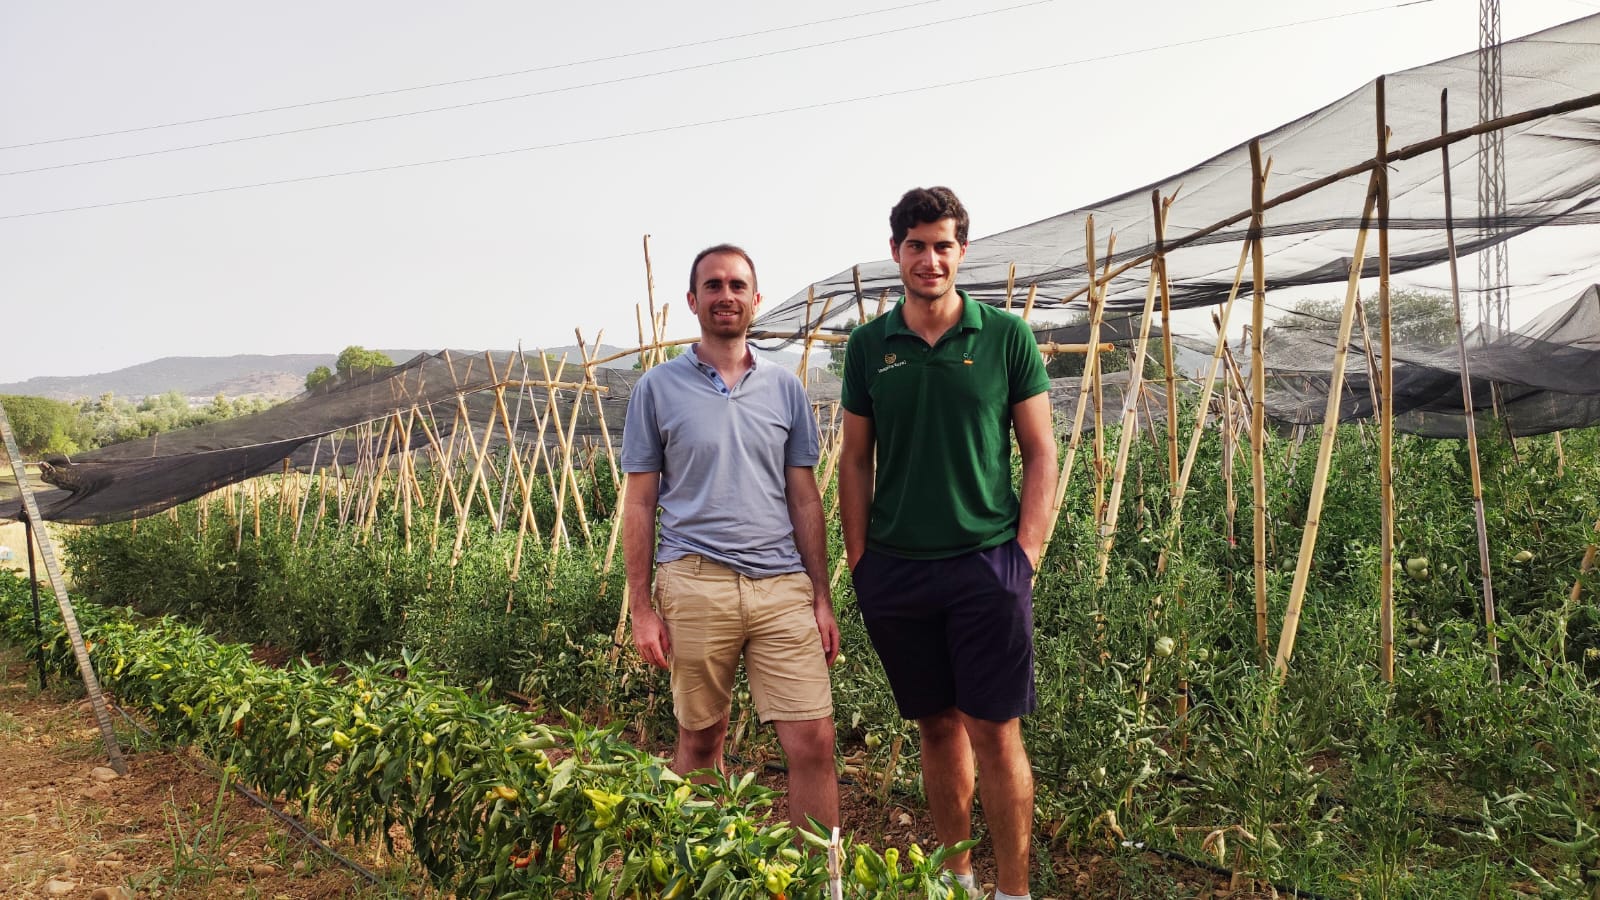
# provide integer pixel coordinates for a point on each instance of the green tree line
(46, 427)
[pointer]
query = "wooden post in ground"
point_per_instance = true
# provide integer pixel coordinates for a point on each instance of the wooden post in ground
(1258, 391)
(1386, 412)
(1330, 429)
(1096, 314)
(1484, 574)
(1130, 427)
(1202, 411)
(69, 619)
(811, 336)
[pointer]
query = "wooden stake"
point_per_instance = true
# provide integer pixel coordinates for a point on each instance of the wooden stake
(811, 335)
(1386, 412)
(1330, 429)
(1130, 426)
(1485, 576)
(861, 303)
(1096, 314)
(1258, 391)
(1206, 393)
(650, 294)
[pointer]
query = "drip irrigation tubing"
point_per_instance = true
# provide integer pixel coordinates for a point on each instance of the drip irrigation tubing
(305, 830)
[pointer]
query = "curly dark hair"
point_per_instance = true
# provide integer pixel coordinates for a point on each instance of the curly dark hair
(920, 206)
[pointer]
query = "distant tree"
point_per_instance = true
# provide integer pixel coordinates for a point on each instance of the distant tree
(1416, 318)
(318, 376)
(672, 352)
(836, 351)
(356, 358)
(44, 427)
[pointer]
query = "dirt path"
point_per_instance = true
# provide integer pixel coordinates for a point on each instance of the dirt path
(158, 832)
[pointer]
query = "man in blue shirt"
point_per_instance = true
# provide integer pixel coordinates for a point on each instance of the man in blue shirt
(724, 446)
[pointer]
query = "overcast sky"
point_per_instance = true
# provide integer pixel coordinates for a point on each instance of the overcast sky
(788, 128)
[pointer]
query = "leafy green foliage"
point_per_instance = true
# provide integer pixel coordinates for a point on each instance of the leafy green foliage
(355, 359)
(1435, 784)
(45, 427)
(494, 803)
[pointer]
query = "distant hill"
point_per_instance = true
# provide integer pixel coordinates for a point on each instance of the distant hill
(273, 377)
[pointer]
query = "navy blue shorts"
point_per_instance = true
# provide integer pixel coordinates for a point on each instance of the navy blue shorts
(952, 632)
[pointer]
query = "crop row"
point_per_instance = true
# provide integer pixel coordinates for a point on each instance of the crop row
(490, 801)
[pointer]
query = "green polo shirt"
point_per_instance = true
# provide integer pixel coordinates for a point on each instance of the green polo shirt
(942, 419)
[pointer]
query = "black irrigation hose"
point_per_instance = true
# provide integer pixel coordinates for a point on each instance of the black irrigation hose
(294, 823)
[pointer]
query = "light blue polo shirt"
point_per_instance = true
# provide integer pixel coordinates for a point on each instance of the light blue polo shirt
(722, 454)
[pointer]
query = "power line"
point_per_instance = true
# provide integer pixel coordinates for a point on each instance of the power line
(721, 121)
(542, 93)
(476, 78)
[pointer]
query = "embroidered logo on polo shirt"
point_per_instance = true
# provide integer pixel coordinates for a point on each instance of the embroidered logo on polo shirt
(888, 359)
(891, 361)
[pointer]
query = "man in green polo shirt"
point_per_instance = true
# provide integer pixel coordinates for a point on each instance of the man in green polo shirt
(941, 549)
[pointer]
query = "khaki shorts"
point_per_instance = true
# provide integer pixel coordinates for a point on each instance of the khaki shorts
(714, 615)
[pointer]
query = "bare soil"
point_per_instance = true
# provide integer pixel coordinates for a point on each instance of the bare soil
(157, 832)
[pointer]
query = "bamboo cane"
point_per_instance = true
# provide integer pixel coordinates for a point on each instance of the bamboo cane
(408, 477)
(1230, 503)
(569, 460)
(1374, 374)
(1479, 521)
(611, 548)
(1097, 400)
(805, 355)
(514, 462)
(835, 442)
(478, 453)
(283, 497)
(391, 436)
(861, 303)
(255, 506)
(1258, 390)
(1027, 306)
(1011, 283)
(1051, 348)
(561, 480)
(1386, 413)
(805, 352)
(1561, 458)
(1330, 429)
(1096, 314)
(1584, 568)
(1160, 208)
(650, 294)
(1130, 426)
(1206, 393)
(599, 408)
